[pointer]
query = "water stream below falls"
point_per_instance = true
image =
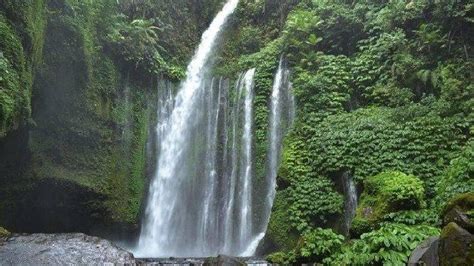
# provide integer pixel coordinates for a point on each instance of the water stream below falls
(201, 201)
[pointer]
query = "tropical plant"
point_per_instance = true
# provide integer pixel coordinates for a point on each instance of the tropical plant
(390, 245)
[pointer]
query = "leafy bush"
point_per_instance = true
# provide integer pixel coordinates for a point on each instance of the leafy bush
(314, 246)
(4, 232)
(299, 29)
(313, 202)
(283, 258)
(458, 177)
(323, 83)
(398, 190)
(410, 217)
(385, 193)
(390, 245)
(373, 140)
(320, 243)
(137, 41)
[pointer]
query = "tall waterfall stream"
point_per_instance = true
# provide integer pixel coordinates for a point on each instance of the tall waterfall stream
(201, 201)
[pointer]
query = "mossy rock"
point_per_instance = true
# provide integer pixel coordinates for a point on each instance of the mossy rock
(460, 210)
(456, 246)
(385, 193)
(14, 92)
(4, 232)
(464, 202)
(279, 232)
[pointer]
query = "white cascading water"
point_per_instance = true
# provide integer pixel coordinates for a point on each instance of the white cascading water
(201, 197)
(166, 230)
(282, 115)
(245, 228)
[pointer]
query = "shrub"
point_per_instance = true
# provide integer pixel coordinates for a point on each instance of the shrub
(314, 246)
(385, 193)
(395, 191)
(389, 245)
(320, 243)
(457, 178)
(4, 232)
(313, 201)
(411, 217)
(282, 258)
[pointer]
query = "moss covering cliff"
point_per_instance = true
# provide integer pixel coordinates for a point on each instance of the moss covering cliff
(75, 140)
(78, 88)
(71, 119)
(21, 42)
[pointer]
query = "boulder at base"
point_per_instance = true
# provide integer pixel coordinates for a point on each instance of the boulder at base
(61, 249)
(456, 246)
(426, 253)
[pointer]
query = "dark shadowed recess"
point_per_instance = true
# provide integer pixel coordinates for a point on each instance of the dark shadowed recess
(55, 206)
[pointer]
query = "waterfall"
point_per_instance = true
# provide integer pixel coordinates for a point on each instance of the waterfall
(282, 114)
(200, 201)
(175, 202)
(245, 227)
(237, 212)
(281, 94)
(350, 201)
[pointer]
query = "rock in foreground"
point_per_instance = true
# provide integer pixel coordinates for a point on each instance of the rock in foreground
(61, 249)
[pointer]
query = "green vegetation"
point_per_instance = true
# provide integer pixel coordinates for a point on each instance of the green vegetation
(311, 203)
(88, 69)
(14, 92)
(22, 26)
(389, 245)
(4, 232)
(386, 194)
(384, 91)
(314, 246)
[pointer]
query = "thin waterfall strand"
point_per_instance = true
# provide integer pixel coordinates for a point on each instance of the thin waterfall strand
(282, 113)
(245, 226)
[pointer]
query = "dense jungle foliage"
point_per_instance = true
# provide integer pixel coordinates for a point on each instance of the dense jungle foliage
(385, 93)
(384, 90)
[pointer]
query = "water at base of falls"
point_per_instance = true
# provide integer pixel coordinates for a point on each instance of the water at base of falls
(203, 261)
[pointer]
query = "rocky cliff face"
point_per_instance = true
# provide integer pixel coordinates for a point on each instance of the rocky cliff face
(73, 151)
(81, 161)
